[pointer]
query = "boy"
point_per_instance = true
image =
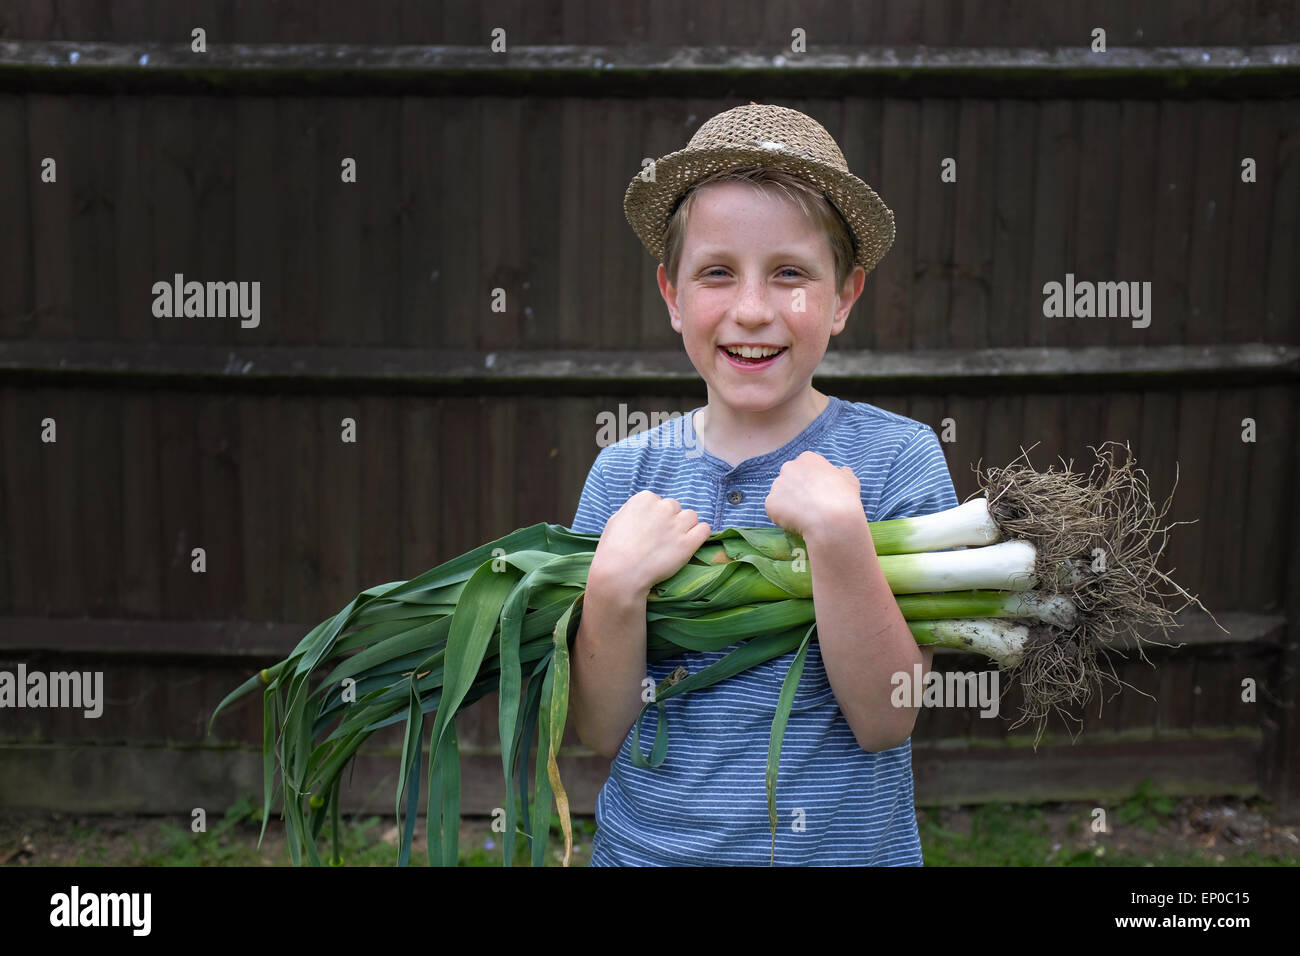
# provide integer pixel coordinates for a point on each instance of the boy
(769, 265)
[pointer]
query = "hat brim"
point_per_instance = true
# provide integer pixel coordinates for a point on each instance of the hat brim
(649, 205)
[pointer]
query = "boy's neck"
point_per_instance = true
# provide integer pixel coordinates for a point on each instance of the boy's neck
(734, 435)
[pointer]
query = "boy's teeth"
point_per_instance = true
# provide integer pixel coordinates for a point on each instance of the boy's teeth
(746, 351)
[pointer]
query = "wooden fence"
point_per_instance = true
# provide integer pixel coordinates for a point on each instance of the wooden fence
(482, 171)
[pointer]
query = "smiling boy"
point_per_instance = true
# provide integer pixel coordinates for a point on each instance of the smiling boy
(764, 241)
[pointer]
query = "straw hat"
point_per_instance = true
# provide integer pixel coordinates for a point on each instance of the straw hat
(769, 136)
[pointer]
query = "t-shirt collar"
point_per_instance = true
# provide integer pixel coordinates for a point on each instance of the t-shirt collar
(772, 460)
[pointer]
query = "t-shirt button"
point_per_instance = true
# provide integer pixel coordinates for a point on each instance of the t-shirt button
(735, 497)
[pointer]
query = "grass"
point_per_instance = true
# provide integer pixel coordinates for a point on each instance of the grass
(1148, 828)
(232, 841)
(1146, 808)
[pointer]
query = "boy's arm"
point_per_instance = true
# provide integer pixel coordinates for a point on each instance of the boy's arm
(647, 541)
(607, 665)
(644, 541)
(864, 639)
(605, 674)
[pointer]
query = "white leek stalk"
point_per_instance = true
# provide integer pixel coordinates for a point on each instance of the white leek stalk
(1008, 566)
(1002, 641)
(968, 524)
(1053, 609)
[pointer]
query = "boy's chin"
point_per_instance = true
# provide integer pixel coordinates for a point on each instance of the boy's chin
(753, 398)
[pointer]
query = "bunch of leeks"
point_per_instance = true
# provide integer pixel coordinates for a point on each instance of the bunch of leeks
(483, 621)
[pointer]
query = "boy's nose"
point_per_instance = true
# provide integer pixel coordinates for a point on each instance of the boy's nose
(753, 307)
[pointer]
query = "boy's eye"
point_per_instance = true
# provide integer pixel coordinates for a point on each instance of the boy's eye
(787, 269)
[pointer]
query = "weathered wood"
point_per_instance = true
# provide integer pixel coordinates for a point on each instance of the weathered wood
(1247, 236)
(1280, 770)
(186, 366)
(174, 225)
(1174, 220)
(140, 637)
(92, 184)
(1283, 299)
(464, 292)
(1135, 238)
(420, 491)
(301, 577)
(20, 431)
(1056, 164)
(1097, 214)
(934, 317)
(61, 500)
(158, 780)
(380, 251)
(99, 452)
(650, 326)
(1217, 182)
(16, 269)
(892, 283)
(256, 641)
(51, 210)
(346, 134)
(261, 425)
(571, 217)
(339, 535)
(302, 219)
(1192, 500)
(642, 70)
(9, 471)
(379, 507)
(1012, 313)
(1265, 584)
(1090, 769)
(169, 700)
(666, 23)
(974, 209)
(421, 175)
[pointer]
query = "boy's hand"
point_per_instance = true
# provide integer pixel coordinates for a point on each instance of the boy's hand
(646, 541)
(810, 496)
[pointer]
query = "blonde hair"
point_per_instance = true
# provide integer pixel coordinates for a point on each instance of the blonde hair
(809, 198)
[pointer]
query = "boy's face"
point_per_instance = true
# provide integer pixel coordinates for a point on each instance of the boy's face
(755, 270)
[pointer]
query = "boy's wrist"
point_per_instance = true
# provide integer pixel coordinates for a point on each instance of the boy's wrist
(837, 527)
(616, 588)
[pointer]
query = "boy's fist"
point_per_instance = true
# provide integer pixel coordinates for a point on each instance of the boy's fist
(811, 495)
(646, 541)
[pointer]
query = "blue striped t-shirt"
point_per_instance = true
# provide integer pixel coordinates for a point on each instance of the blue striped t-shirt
(706, 804)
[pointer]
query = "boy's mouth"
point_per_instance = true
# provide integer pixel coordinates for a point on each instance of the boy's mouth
(757, 357)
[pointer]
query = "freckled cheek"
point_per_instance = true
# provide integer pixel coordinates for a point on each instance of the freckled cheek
(700, 336)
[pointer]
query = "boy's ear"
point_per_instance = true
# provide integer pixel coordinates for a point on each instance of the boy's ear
(669, 293)
(854, 283)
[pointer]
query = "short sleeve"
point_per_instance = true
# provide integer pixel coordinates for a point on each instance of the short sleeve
(918, 482)
(593, 506)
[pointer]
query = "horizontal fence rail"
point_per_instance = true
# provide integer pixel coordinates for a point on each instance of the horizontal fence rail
(622, 371)
(256, 640)
(314, 68)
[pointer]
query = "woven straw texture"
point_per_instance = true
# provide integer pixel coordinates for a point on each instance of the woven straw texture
(770, 136)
